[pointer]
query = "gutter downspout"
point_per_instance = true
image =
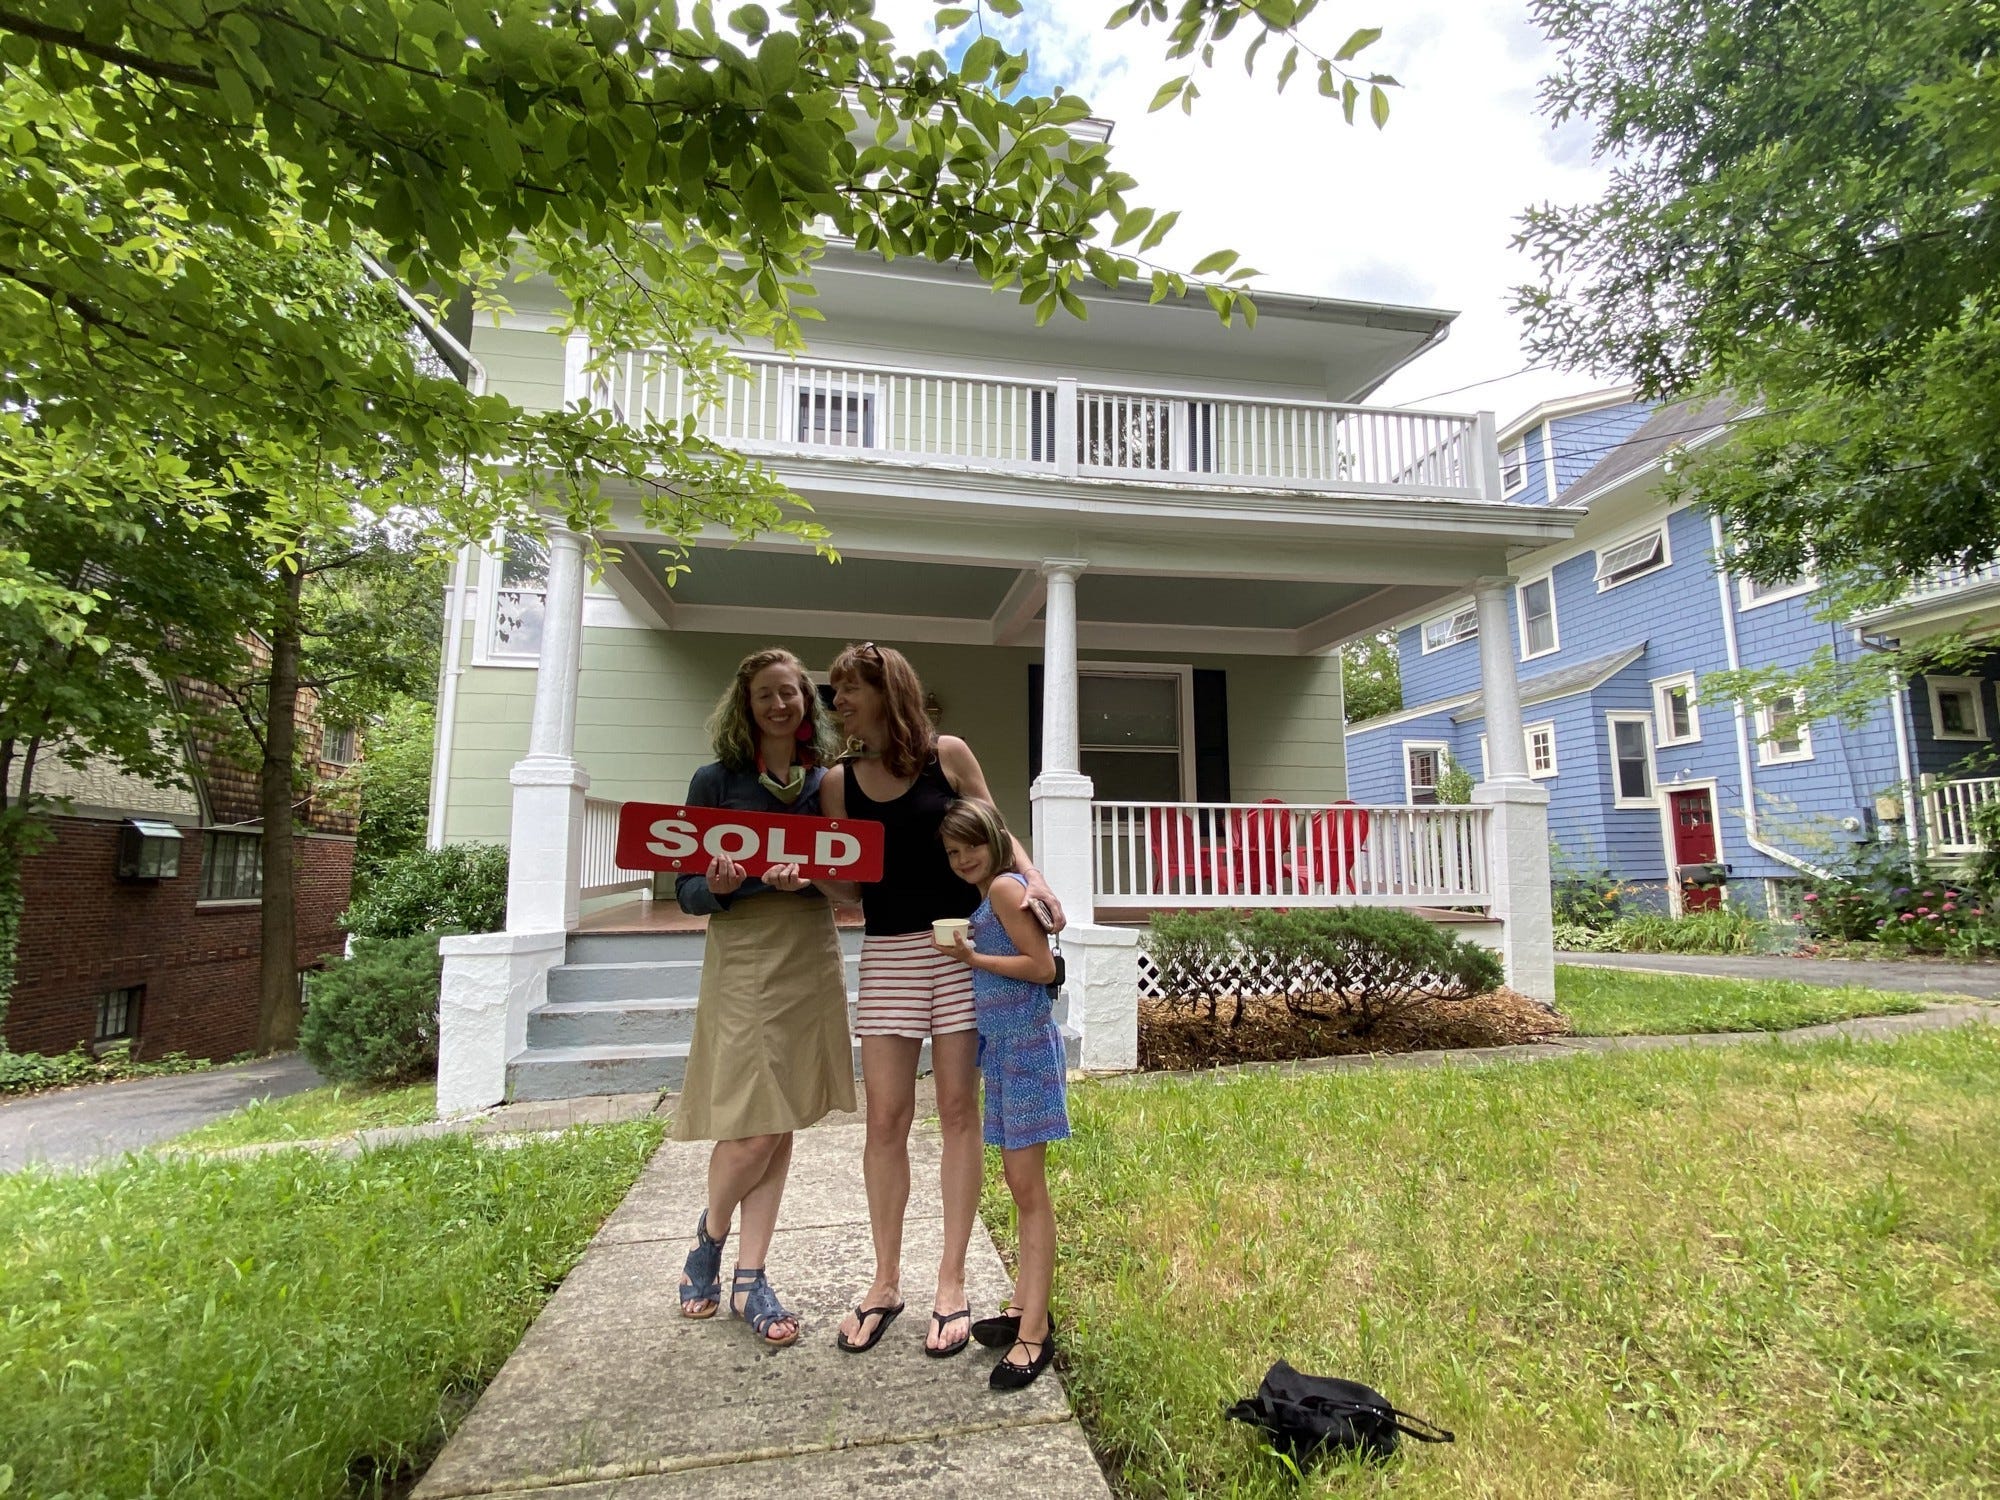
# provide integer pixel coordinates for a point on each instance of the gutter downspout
(1899, 708)
(1769, 851)
(450, 665)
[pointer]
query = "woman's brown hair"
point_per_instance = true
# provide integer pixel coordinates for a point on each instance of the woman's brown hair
(978, 825)
(888, 671)
(732, 729)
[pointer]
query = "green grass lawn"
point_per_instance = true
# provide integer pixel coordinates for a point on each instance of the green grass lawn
(316, 1114)
(295, 1324)
(1758, 1271)
(1619, 1002)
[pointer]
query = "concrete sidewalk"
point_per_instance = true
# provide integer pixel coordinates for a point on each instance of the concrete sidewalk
(1980, 981)
(614, 1396)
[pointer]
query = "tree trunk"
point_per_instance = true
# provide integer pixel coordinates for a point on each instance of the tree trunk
(278, 974)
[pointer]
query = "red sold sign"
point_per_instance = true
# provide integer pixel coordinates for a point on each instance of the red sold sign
(674, 836)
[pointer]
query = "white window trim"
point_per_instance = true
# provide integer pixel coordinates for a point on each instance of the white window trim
(1745, 600)
(492, 559)
(1184, 671)
(1528, 733)
(1768, 753)
(1514, 460)
(1973, 685)
(1443, 749)
(1645, 723)
(1666, 561)
(1521, 616)
(1425, 648)
(1663, 721)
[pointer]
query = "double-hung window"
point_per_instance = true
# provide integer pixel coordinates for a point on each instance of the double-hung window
(1133, 732)
(1514, 470)
(1631, 742)
(1537, 606)
(1783, 732)
(1675, 717)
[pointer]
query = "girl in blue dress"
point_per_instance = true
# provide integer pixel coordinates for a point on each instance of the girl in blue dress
(1021, 1064)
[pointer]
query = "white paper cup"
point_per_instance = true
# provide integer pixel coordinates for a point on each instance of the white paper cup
(943, 928)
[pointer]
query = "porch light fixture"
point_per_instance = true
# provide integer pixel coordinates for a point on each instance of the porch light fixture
(148, 849)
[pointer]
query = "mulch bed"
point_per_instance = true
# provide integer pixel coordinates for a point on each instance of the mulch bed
(1178, 1037)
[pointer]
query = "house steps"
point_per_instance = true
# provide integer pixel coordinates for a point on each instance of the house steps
(620, 1017)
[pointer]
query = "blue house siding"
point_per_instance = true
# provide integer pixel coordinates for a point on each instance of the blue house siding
(1809, 808)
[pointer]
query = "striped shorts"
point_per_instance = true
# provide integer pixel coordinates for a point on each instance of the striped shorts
(911, 987)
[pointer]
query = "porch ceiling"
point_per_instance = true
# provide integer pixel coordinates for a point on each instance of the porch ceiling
(726, 588)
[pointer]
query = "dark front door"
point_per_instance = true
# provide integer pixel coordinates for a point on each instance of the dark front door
(1694, 844)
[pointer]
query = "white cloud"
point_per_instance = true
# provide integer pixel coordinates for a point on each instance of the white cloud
(1420, 212)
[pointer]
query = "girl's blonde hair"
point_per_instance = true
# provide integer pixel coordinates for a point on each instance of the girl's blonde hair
(732, 729)
(978, 825)
(888, 671)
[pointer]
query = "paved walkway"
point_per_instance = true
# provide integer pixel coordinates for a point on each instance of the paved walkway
(1916, 976)
(73, 1127)
(614, 1396)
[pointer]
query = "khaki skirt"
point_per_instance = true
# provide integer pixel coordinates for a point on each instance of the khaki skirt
(771, 1050)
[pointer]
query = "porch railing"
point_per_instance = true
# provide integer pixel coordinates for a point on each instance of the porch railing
(1199, 854)
(1056, 425)
(602, 874)
(1948, 810)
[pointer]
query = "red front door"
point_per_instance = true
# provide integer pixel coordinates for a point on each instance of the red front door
(1694, 843)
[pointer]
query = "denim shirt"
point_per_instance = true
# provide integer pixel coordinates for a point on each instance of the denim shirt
(715, 785)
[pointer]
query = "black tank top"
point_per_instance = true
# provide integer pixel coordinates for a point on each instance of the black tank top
(917, 885)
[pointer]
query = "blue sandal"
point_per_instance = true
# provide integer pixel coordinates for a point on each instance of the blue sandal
(761, 1309)
(703, 1269)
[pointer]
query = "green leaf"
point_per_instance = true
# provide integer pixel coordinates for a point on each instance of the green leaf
(1221, 260)
(951, 17)
(1350, 48)
(1167, 93)
(1132, 225)
(1288, 67)
(1378, 106)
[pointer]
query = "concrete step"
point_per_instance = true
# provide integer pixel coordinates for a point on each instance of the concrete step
(651, 947)
(666, 979)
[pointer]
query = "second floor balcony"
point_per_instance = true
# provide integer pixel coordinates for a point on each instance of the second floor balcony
(1066, 427)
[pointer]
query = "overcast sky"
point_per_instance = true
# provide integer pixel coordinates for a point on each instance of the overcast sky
(1420, 212)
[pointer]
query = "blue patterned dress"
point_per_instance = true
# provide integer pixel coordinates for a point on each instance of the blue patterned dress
(1020, 1046)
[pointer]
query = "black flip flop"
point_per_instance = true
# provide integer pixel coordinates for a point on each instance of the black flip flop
(944, 1321)
(861, 1316)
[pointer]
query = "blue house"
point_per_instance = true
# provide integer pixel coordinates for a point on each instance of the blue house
(1694, 801)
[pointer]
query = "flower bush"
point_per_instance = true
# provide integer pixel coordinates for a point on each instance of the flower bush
(1879, 898)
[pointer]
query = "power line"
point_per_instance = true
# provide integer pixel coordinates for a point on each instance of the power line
(1474, 385)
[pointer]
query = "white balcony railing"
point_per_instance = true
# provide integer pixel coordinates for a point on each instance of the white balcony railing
(1191, 854)
(602, 874)
(1057, 426)
(1948, 810)
(1947, 581)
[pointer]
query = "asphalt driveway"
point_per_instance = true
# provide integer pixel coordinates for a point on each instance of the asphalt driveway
(73, 1127)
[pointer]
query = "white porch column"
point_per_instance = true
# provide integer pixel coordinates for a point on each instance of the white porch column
(1061, 794)
(545, 863)
(1518, 809)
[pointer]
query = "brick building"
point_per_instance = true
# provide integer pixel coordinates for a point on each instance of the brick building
(111, 951)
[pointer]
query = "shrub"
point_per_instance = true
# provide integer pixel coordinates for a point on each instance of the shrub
(461, 887)
(1583, 897)
(1727, 929)
(1369, 962)
(1200, 957)
(1878, 895)
(1574, 937)
(373, 1018)
(32, 1072)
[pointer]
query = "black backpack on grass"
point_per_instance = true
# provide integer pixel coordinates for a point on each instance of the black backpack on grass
(1308, 1415)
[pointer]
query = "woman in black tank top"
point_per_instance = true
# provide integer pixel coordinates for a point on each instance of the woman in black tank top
(905, 776)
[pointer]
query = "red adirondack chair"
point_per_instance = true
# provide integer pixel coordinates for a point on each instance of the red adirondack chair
(1258, 840)
(1183, 865)
(1334, 837)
